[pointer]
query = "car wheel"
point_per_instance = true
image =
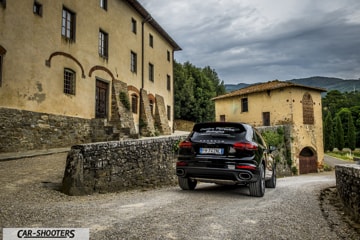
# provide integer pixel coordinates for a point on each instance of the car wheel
(187, 183)
(257, 189)
(271, 183)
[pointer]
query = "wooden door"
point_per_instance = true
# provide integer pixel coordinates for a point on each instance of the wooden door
(101, 99)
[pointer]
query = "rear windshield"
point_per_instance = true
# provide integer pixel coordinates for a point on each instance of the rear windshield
(230, 132)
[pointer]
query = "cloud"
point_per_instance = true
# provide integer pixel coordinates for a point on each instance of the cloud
(260, 40)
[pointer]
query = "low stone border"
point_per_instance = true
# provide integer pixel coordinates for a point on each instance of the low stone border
(120, 165)
(348, 186)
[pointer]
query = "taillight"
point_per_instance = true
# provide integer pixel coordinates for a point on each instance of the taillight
(185, 144)
(181, 164)
(247, 167)
(245, 146)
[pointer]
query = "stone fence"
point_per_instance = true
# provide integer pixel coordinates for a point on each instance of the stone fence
(348, 186)
(121, 165)
(129, 164)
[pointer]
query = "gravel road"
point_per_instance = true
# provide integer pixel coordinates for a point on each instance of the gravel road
(301, 207)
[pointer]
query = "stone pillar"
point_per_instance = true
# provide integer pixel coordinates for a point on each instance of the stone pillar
(161, 120)
(121, 117)
(147, 127)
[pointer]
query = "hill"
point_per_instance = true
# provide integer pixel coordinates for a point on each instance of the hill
(322, 82)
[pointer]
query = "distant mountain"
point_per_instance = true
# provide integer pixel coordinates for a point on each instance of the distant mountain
(233, 87)
(321, 82)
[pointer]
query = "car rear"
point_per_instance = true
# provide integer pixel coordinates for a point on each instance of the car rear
(219, 152)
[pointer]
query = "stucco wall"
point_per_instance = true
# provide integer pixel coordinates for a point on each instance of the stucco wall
(286, 107)
(34, 82)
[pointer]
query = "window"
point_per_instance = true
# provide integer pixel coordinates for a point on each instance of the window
(266, 118)
(1, 63)
(37, 8)
(222, 118)
(69, 81)
(168, 56)
(168, 112)
(103, 44)
(2, 54)
(133, 25)
(244, 105)
(134, 103)
(168, 82)
(133, 62)
(103, 4)
(308, 109)
(68, 24)
(151, 103)
(3, 3)
(151, 40)
(151, 72)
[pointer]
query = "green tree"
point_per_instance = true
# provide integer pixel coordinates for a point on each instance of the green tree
(328, 132)
(351, 133)
(193, 90)
(339, 134)
(341, 103)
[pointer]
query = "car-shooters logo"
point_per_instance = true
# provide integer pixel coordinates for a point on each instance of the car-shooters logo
(45, 233)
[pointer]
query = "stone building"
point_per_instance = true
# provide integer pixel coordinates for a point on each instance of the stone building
(82, 71)
(281, 103)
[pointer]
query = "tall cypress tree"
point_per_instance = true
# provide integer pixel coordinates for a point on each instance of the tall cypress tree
(351, 133)
(339, 134)
(328, 132)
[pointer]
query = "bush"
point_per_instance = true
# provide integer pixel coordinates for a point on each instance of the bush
(124, 99)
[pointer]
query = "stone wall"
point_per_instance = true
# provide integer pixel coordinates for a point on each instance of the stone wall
(121, 165)
(24, 130)
(348, 186)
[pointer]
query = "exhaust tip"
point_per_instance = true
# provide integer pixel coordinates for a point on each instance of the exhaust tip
(244, 176)
(180, 172)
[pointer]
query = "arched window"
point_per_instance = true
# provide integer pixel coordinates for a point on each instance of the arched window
(134, 103)
(151, 102)
(308, 109)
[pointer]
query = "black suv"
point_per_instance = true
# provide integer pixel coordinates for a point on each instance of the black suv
(225, 153)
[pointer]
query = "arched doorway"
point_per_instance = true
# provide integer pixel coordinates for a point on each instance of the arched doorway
(307, 161)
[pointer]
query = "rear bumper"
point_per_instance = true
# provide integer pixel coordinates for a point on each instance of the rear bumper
(237, 176)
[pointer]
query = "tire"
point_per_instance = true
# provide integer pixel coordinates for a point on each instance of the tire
(257, 189)
(187, 183)
(271, 183)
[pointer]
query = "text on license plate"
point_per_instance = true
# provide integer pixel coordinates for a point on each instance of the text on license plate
(218, 151)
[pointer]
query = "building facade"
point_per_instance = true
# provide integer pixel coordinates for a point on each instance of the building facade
(82, 71)
(281, 103)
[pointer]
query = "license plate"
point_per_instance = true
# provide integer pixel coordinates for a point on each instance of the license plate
(217, 151)
(231, 166)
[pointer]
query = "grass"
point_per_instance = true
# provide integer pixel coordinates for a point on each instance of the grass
(345, 154)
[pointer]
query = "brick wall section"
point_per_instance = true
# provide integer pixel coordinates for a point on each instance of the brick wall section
(121, 165)
(348, 186)
(161, 120)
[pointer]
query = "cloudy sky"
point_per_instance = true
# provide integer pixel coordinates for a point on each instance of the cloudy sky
(248, 41)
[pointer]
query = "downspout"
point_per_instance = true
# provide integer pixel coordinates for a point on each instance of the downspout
(172, 89)
(148, 18)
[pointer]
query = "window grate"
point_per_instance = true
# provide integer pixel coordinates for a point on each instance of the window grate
(69, 82)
